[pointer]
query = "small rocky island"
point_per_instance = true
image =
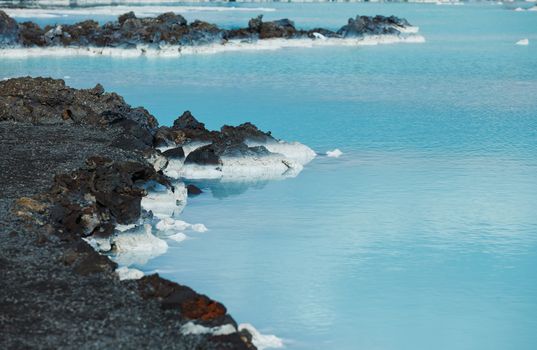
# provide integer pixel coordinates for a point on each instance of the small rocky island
(170, 29)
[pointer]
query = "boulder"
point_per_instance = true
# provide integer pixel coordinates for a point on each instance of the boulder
(283, 28)
(378, 25)
(174, 153)
(193, 190)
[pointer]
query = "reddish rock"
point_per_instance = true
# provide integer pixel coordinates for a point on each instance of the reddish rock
(171, 295)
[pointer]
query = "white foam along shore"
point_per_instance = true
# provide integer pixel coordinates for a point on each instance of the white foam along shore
(286, 159)
(174, 51)
(140, 11)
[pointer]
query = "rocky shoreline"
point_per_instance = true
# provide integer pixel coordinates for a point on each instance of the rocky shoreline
(83, 169)
(172, 30)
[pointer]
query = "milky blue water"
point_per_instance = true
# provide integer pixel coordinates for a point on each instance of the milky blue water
(423, 235)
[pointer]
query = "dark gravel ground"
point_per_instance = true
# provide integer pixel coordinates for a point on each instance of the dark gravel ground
(44, 302)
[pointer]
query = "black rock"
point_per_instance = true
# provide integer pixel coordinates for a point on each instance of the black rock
(174, 153)
(188, 121)
(193, 190)
(378, 25)
(206, 155)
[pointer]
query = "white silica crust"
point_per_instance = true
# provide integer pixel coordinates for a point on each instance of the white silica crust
(126, 273)
(231, 45)
(523, 42)
(164, 202)
(137, 246)
(158, 161)
(199, 228)
(270, 166)
(171, 226)
(294, 151)
(134, 245)
(190, 328)
(336, 153)
(141, 239)
(262, 341)
(407, 30)
(178, 237)
(174, 168)
(102, 245)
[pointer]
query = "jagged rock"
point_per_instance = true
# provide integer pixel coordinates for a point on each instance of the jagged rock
(229, 141)
(192, 129)
(243, 132)
(171, 19)
(188, 121)
(122, 18)
(378, 25)
(9, 29)
(283, 28)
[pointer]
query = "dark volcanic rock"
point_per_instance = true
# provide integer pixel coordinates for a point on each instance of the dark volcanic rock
(172, 29)
(9, 29)
(174, 153)
(229, 141)
(93, 199)
(192, 129)
(193, 190)
(243, 132)
(165, 136)
(283, 28)
(378, 25)
(31, 34)
(188, 121)
(206, 155)
(212, 154)
(50, 101)
(190, 304)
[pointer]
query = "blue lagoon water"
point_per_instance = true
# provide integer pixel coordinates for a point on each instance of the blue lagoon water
(423, 235)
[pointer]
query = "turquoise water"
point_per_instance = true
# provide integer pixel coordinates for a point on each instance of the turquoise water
(423, 235)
